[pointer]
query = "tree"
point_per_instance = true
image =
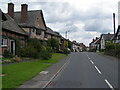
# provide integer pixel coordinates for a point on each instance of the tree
(70, 45)
(66, 44)
(54, 43)
(35, 43)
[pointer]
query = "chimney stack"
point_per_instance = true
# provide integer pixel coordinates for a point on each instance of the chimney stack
(11, 9)
(24, 15)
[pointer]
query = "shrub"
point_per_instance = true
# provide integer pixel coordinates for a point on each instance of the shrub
(45, 53)
(54, 43)
(70, 45)
(65, 50)
(36, 50)
(7, 54)
(112, 49)
(49, 49)
(35, 43)
(18, 46)
(29, 51)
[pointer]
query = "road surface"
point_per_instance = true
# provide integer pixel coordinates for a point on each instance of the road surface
(87, 70)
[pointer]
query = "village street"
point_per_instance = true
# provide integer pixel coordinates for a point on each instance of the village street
(87, 70)
(71, 44)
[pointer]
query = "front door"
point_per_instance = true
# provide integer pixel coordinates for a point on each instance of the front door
(12, 47)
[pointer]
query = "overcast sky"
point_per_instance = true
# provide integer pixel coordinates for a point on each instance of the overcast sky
(84, 19)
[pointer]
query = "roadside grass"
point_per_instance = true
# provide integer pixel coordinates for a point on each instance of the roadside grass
(101, 52)
(16, 74)
(55, 58)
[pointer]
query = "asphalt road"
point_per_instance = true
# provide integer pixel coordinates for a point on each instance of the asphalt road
(87, 70)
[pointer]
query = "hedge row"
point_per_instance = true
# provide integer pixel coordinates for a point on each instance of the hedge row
(113, 49)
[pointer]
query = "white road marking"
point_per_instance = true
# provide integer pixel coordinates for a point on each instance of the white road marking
(86, 55)
(97, 70)
(91, 61)
(109, 84)
(88, 58)
(57, 72)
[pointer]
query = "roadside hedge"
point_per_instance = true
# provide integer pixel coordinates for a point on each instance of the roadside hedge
(35, 49)
(113, 49)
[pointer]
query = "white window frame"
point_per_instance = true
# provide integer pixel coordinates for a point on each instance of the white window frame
(4, 42)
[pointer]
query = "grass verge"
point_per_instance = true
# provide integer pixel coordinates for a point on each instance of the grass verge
(16, 74)
(101, 52)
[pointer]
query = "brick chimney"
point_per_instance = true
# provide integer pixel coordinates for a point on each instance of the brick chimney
(11, 9)
(24, 15)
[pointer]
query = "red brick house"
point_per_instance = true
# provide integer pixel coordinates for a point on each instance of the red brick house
(10, 33)
(32, 22)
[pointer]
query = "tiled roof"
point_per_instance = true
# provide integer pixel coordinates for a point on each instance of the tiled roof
(2, 15)
(11, 25)
(107, 36)
(118, 30)
(32, 16)
(50, 31)
(97, 41)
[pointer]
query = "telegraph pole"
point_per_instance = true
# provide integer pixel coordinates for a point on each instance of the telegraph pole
(114, 22)
(66, 33)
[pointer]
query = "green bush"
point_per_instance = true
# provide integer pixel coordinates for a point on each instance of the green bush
(65, 51)
(54, 43)
(35, 49)
(45, 53)
(29, 51)
(112, 49)
(49, 49)
(18, 46)
(70, 45)
(7, 54)
(35, 43)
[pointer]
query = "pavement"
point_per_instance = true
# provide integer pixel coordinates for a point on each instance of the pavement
(79, 70)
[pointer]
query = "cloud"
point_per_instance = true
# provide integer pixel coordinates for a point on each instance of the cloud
(85, 19)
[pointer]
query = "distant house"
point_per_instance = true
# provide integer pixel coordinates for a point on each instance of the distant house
(97, 44)
(82, 47)
(76, 46)
(32, 22)
(92, 45)
(104, 38)
(117, 35)
(10, 32)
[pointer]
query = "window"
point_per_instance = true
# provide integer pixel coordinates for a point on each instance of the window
(46, 35)
(33, 31)
(38, 31)
(4, 42)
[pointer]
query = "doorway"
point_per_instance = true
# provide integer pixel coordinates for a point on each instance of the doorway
(12, 47)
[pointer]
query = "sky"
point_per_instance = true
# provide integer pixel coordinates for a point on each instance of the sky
(82, 19)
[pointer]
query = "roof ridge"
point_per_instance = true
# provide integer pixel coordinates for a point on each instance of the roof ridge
(28, 11)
